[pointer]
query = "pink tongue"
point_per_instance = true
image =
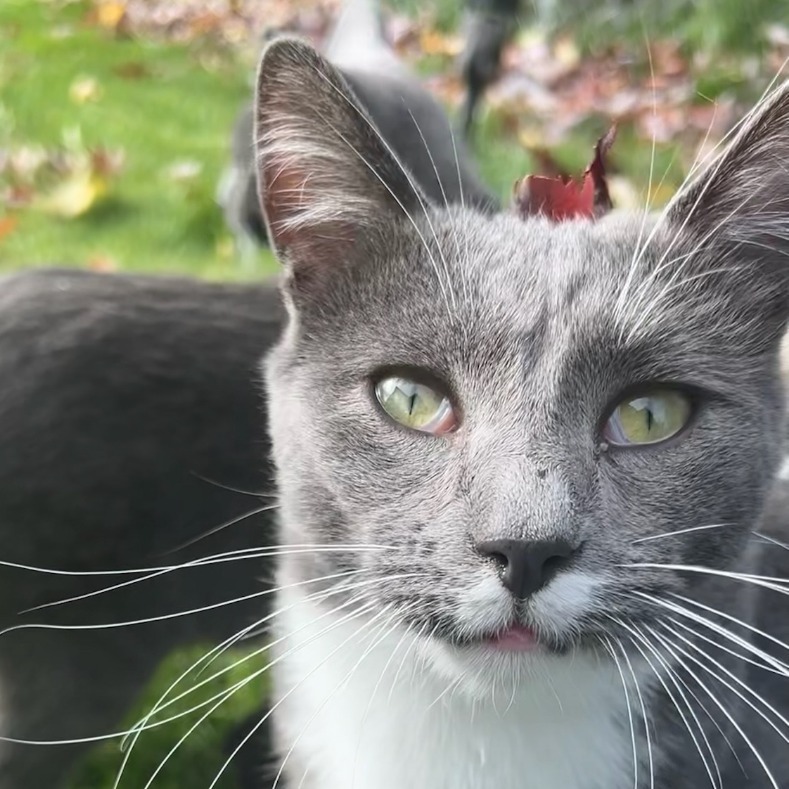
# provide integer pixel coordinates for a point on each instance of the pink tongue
(514, 639)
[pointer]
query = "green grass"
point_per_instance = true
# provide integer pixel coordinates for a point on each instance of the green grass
(202, 753)
(166, 105)
(160, 103)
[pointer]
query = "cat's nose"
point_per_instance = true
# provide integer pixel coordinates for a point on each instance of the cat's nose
(527, 565)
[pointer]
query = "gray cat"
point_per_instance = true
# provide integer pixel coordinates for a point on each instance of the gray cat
(534, 461)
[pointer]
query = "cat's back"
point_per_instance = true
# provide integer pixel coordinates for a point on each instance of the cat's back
(31, 300)
(106, 375)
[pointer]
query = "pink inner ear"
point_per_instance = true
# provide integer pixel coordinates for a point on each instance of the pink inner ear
(284, 198)
(293, 202)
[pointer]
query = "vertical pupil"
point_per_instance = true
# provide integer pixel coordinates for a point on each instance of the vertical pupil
(650, 419)
(411, 403)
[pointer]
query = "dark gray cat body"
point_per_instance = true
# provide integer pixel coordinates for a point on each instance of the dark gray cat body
(518, 593)
(131, 410)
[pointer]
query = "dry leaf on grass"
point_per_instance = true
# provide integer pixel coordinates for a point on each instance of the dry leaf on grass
(110, 13)
(103, 263)
(434, 42)
(67, 181)
(85, 89)
(73, 196)
(7, 225)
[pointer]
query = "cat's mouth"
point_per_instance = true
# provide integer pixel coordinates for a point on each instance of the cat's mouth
(515, 638)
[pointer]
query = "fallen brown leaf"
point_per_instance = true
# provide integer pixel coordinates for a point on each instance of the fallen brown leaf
(74, 196)
(132, 70)
(110, 14)
(85, 89)
(433, 42)
(7, 225)
(103, 263)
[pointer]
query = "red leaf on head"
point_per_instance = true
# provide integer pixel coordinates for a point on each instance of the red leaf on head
(559, 197)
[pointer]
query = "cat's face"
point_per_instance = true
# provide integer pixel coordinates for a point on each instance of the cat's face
(455, 392)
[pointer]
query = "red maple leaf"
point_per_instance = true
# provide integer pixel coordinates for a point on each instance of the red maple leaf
(560, 197)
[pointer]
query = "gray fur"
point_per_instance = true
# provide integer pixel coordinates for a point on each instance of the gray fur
(536, 329)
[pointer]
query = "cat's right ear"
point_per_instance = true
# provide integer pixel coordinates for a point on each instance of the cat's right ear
(325, 177)
(735, 214)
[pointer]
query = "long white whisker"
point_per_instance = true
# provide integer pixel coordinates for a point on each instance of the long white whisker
(222, 526)
(143, 725)
(137, 728)
(720, 706)
(242, 555)
(765, 581)
(643, 714)
(733, 637)
(367, 624)
(337, 589)
(729, 650)
(226, 695)
(162, 703)
(771, 540)
(240, 552)
(672, 675)
(679, 531)
(607, 643)
(236, 664)
(717, 676)
(165, 617)
(735, 678)
(257, 494)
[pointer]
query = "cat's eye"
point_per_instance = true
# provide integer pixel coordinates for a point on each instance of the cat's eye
(416, 405)
(648, 418)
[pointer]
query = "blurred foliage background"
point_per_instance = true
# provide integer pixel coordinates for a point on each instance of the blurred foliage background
(114, 128)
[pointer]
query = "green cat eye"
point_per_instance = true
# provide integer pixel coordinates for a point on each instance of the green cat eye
(416, 405)
(648, 418)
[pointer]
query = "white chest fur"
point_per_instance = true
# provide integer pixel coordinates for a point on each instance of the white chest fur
(362, 712)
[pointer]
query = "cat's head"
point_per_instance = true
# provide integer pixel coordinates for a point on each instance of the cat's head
(517, 421)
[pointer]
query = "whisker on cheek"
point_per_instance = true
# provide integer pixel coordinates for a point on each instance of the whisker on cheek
(367, 624)
(177, 614)
(231, 556)
(727, 713)
(220, 698)
(678, 532)
(636, 636)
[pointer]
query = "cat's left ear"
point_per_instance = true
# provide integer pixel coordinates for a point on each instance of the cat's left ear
(326, 179)
(735, 215)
